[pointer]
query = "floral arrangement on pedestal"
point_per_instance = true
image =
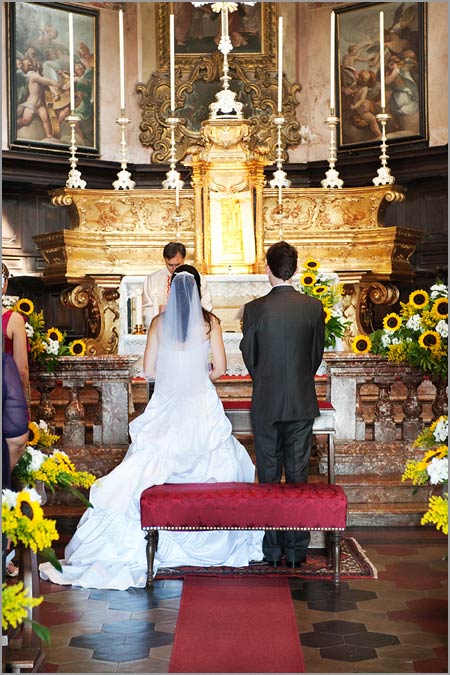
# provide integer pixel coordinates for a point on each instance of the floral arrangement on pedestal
(23, 521)
(45, 345)
(418, 335)
(55, 469)
(432, 469)
(325, 288)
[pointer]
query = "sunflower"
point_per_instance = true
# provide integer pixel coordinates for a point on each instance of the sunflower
(440, 309)
(318, 290)
(37, 513)
(327, 314)
(54, 334)
(312, 264)
(25, 306)
(308, 279)
(77, 348)
(392, 322)
(361, 344)
(419, 299)
(34, 429)
(430, 339)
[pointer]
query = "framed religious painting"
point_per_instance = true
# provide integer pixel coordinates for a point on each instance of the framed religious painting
(358, 73)
(39, 80)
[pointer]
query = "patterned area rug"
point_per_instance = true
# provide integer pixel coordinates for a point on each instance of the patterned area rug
(354, 563)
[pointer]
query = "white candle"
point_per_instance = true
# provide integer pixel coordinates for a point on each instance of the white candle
(332, 68)
(71, 64)
(382, 81)
(139, 309)
(172, 62)
(177, 196)
(121, 62)
(280, 63)
(225, 21)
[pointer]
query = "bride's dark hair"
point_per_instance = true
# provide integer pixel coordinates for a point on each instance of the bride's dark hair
(184, 310)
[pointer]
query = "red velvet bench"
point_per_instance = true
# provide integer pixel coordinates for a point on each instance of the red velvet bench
(244, 506)
(238, 412)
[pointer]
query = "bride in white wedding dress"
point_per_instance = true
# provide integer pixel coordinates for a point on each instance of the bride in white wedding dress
(183, 436)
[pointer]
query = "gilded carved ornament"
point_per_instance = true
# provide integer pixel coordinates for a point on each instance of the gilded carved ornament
(253, 79)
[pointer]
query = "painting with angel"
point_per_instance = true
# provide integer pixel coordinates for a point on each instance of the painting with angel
(358, 77)
(39, 82)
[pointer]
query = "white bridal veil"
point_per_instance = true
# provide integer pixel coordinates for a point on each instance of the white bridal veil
(182, 364)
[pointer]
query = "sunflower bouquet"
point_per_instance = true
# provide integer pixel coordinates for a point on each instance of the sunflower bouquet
(54, 470)
(23, 521)
(433, 469)
(417, 335)
(324, 287)
(45, 345)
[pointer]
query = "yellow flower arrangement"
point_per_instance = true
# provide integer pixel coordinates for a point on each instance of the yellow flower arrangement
(433, 469)
(418, 335)
(23, 520)
(324, 287)
(55, 470)
(15, 604)
(45, 345)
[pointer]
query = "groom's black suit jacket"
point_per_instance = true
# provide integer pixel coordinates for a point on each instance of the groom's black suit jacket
(282, 347)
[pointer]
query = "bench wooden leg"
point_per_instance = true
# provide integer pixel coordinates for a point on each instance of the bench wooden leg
(336, 556)
(151, 548)
(331, 459)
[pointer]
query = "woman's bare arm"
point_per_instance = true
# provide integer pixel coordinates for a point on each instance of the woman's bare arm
(20, 354)
(218, 351)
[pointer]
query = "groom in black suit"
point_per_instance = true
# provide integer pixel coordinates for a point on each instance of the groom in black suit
(282, 347)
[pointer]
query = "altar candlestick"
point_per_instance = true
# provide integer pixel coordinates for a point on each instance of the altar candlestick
(71, 64)
(139, 309)
(121, 62)
(172, 62)
(382, 80)
(280, 63)
(332, 54)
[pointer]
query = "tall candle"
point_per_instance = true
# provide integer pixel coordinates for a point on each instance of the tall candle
(121, 62)
(139, 309)
(382, 80)
(225, 21)
(280, 63)
(172, 62)
(71, 64)
(177, 196)
(332, 54)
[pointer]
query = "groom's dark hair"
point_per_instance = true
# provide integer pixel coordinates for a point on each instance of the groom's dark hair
(282, 260)
(172, 248)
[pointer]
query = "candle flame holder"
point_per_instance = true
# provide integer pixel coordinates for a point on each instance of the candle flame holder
(123, 181)
(332, 179)
(384, 173)
(74, 179)
(279, 179)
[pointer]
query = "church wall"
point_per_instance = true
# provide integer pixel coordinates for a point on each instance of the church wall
(307, 26)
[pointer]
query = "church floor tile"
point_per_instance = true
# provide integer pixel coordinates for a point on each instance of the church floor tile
(393, 624)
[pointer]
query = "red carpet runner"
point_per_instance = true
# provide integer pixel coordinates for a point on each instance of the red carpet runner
(236, 626)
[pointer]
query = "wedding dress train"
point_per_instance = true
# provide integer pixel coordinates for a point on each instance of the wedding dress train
(183, 436)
